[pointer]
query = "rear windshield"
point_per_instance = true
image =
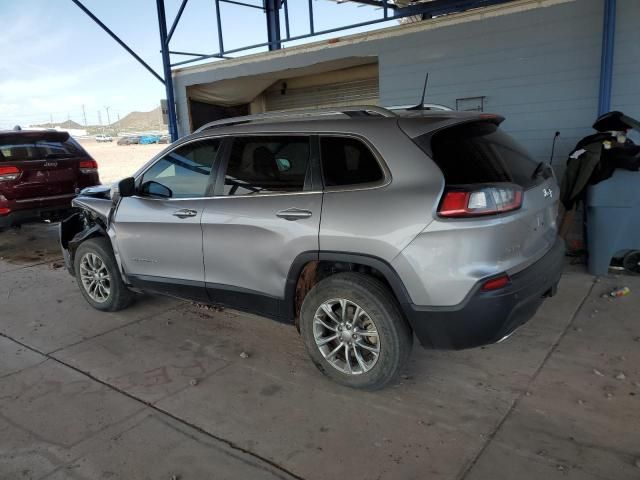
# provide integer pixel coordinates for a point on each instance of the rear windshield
(27, 147)
(482, 153)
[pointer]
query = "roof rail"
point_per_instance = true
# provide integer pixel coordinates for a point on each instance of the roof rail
(354, 111)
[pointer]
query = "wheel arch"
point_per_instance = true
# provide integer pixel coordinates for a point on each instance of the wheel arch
(309, 268)
(76, 229)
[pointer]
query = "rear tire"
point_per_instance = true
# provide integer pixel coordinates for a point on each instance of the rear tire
(372, 339)
(98, 276)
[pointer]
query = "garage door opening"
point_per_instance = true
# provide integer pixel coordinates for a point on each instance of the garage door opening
(351, 81)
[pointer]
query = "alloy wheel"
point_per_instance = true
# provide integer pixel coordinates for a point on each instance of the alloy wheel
(95, 277)
(346, 336)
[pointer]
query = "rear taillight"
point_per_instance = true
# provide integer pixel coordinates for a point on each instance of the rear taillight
(88, 166)
(477, 200)
(8, 172)
(496, 283)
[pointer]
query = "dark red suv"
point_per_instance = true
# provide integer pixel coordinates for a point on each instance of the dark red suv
(40, 173)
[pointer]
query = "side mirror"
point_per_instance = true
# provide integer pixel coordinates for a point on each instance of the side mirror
(127, 187)
(155, 189)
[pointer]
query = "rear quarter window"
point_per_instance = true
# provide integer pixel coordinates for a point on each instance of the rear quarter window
(480, 152)
(348, 161)
(20, 148)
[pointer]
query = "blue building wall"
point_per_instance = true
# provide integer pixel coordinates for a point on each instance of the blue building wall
(539, 68)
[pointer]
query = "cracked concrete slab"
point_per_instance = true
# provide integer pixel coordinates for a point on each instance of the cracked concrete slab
(122, 403)
(32, 244)
(57, 423)
(581, 419)
(43, 306)
(14, 357)
(439, 414)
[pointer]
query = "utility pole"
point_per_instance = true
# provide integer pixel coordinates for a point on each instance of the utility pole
(84, 115)
(108, 119)
(51, 119)
(99, 117)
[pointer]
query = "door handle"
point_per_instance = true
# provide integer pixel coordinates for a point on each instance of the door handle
(293, 214)
(185, 213)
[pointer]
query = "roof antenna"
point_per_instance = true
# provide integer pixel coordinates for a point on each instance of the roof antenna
(553, 147)
(420, 106)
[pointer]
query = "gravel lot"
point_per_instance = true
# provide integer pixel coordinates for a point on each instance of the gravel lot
(119, 161)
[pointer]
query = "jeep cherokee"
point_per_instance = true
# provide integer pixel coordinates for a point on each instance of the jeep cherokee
(362, 226)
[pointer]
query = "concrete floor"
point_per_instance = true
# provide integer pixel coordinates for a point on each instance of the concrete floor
(160, 391)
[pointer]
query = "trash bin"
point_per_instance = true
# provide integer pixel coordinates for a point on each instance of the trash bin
(613, 218)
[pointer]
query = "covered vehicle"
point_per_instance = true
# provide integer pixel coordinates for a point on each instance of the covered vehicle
(149, 139)
(40, 173)
(129, 140)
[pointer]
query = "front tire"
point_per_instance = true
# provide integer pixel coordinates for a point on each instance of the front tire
(354, 332)
(98, 276)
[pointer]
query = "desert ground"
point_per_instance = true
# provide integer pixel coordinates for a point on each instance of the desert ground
(119, 161)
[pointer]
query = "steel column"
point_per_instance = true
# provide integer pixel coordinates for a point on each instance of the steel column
(606, 60)
(219, 24)
(272, 11)
(166, 64)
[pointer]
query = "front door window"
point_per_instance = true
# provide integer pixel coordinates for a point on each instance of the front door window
(183, 172)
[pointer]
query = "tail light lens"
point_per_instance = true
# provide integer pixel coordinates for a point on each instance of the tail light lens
(4, 210)
(479, 200)
(9, 172)
(88, 166)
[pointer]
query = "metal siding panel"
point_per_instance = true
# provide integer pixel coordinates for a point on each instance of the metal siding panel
(539, 68)
(626, 68)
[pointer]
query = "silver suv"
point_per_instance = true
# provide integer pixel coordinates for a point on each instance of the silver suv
(361, 226)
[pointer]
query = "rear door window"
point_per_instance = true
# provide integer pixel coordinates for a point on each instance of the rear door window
(262, 165)
(348, 161)
(18, 148)
(482, 153)
(184, 171)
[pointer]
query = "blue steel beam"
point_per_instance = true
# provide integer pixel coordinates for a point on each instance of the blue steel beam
(428, 9)
(272, 12)
(219, 23)
(286, 18)
(606, 60)
(168, 80)
(176, 20)
(117, 39)
(443, 7)
(242, 4)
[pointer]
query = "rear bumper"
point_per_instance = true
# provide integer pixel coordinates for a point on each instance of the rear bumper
(487, 317)
(18, 217)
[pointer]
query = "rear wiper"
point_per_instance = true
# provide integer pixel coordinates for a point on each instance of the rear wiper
(539, 169)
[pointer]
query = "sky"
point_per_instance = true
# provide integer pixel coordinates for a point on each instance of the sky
(55, 59)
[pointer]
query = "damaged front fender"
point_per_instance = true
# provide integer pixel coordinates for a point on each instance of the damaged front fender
(73, 231)
(95, 208)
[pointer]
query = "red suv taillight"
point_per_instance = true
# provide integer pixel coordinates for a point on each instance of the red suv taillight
(88, 166)
(478, 200)
(9, 172)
